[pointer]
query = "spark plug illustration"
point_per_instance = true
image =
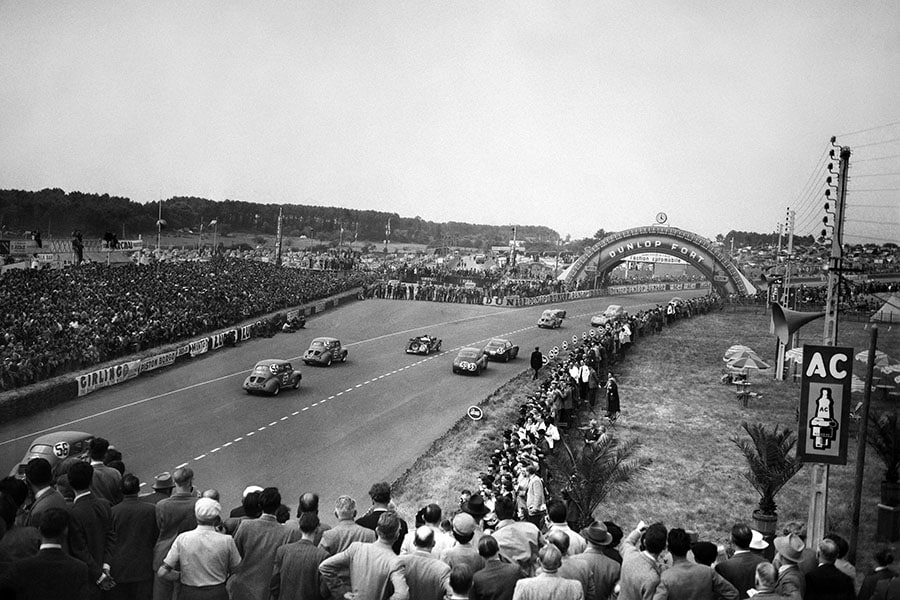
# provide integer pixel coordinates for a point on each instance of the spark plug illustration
(823, 427)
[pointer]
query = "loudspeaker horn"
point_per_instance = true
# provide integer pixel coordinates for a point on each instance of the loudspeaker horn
(788, 321)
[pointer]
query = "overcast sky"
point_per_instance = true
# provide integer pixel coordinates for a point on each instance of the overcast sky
(574, 115)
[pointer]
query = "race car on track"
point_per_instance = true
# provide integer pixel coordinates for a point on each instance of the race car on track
(470, 360)
(613, 313)
(270, 375)
(551, 318)
(501, 350)
(424, 344)
(324, 351)
(55, 447)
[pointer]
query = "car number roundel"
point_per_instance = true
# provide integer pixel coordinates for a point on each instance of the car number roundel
(565, 345)
(61, 449)
(574, 339)
(545, 360)
(584, 335)
(592, 333)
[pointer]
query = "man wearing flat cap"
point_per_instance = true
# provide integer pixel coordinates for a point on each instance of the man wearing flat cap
(202, 558)
(789, 552)
(604, 570)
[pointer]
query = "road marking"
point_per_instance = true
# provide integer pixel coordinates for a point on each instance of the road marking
(263, 428)
(226, 444)
(273, 423)
(237, 439)
(202, 456)
(216, 449)
(285, 417)
(305, 408)
(251, 433)
(181, 466)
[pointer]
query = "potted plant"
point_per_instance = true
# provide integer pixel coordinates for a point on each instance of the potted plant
(772, 462)
(884, 438)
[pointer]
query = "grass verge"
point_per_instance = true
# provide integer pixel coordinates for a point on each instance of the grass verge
(674, 404)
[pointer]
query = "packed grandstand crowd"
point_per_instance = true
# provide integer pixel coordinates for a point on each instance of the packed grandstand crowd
(520, 534)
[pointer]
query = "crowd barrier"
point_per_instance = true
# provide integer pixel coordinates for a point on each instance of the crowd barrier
(32, 399)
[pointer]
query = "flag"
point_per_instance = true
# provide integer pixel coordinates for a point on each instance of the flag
(214, 222)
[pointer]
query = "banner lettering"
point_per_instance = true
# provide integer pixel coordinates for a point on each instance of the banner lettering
(107, 376)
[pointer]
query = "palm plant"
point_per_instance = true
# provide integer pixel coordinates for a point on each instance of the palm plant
(770, 456)
(884, 438)
(596, 470)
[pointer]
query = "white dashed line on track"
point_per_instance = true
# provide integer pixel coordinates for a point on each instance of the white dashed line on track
(202, 456)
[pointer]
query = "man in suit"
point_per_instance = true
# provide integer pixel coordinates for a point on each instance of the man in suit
(640, 568)
(296, 573)
(764, 582)
(338, 538)
(134, 523)
(883, 559)
(604, 570)
(537, 361)
(548, 583)
(51, 574)
(39, 477)
(426, 575)
(497, 580)
(106, 479)
(374, 568)
(19, 541)
(789, 552)
(94, 517)
(687, 580)
(174, 515)
(826, 581)
(570, 568)
(257, 540)
(308, 503)
(381, 498)
(740, 569)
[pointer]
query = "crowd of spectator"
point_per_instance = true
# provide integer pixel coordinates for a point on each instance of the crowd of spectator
(55, 321)
(516, 537)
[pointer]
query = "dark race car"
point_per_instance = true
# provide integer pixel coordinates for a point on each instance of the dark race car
(270, 375)
(501, 350)
(424, 344)
(325, 350)
(470, 360)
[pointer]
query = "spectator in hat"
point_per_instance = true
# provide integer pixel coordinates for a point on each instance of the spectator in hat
(809, 561)
(826, 581)
(380, 493)
(788, 553)
(740, 569)
(427, 576)
(497, 580)
(464, 552)
(548, 583)
(201, 559)
(537, 361)
(257, 540)
(604, 570)
(640, 562)
(134, 523)
(250, 510)
(373, 567)
(475, 507)
(163, 484)
(687, 580)
(556, 514)
(882, 572)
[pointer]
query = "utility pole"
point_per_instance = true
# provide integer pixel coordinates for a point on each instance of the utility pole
(818, 499)
(781, 347)
(279, 237)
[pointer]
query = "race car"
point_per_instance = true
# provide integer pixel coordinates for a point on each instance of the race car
(324, 351)
(470, 360)
(613, 313)
(551, 318)
(55, 448)
(501, 350)
(270, 375)
(424, 344)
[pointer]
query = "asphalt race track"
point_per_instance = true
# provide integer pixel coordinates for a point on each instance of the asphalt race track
(348, 425)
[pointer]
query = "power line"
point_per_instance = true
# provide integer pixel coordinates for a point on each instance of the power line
(875, 175)
(871, 129)
(870, 222)
(859, 160)
(877, 143)
(869, 206)
(876, 190)
(866, 237)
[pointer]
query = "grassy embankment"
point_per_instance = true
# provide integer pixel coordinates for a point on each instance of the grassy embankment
(673, 402)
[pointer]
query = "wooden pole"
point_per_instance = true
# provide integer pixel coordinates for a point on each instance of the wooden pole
(861, 447)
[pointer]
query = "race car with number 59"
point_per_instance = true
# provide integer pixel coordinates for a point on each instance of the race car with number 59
(501, 350)
(470, 360)
(423, 344)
